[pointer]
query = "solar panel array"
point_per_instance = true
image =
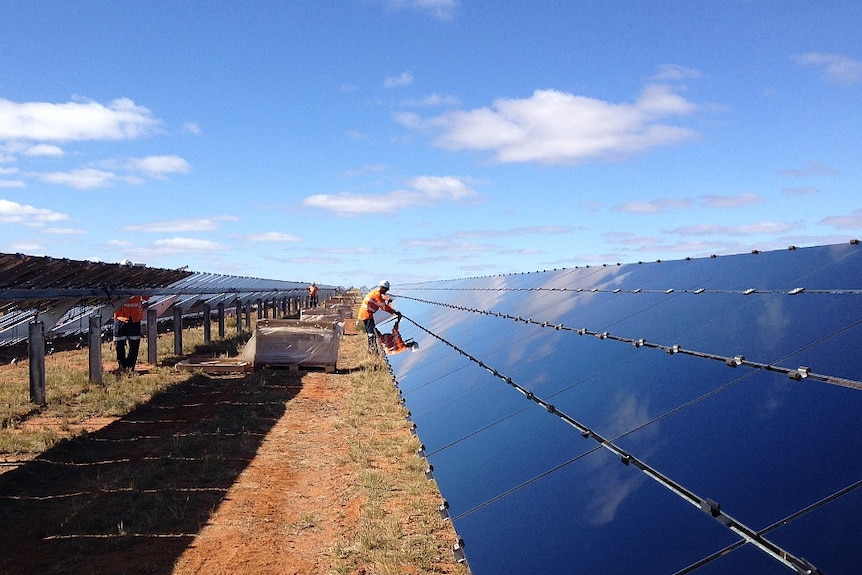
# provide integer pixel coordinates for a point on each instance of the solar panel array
(695, 416)
(65, 293)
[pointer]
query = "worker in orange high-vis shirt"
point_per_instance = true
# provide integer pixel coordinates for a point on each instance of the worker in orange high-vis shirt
(312, 295)
(127, 330)
(374, 300)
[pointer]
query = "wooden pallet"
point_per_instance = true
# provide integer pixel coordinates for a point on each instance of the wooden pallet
(215, 365)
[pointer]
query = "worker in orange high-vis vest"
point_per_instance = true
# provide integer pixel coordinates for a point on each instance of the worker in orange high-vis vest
(374, 300)
(312, 295)
(127, 330)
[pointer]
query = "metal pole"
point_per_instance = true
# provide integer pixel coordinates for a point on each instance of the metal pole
(207, 321)
(221, 320)
(152, 337)
(95, 348)
(178, 330)
(36, 345)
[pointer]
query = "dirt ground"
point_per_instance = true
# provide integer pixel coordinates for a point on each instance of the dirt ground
(217, 475)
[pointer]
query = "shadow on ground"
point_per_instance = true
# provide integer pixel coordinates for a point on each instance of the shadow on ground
(131, 497)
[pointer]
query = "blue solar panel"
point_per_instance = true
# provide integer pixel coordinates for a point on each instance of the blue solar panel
(694, 416)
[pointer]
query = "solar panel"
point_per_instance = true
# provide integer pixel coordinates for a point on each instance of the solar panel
(692, 416)
(63, 293)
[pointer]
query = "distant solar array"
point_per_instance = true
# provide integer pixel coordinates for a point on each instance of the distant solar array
(694, 416)
(64, 293)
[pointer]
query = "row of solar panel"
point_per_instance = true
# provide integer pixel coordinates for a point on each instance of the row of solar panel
(694, 416)
(65, 293)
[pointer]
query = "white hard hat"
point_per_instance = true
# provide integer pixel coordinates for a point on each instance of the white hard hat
(384, 284)
(126, 262)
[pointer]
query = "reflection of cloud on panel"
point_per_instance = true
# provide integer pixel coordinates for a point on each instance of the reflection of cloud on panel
(614, 482)
(611, 483)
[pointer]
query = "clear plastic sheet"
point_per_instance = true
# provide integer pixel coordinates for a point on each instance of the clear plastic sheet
(304, 342)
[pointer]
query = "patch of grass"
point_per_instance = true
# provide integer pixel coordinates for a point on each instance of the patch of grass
(72, 399)
(391, 476)
(305, 521)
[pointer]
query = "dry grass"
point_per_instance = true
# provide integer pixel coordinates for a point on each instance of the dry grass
(391, 476)
(72, 399)
(398, 529)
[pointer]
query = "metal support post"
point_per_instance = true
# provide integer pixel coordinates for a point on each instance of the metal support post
(36, 345)
(221, 320)
(94, 348)
(207, 322)
(178, 330)
(152, 336)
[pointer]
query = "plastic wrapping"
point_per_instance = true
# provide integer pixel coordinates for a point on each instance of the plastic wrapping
(339, 310)
(304, 342)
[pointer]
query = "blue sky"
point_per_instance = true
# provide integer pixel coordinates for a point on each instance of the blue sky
(344, 141)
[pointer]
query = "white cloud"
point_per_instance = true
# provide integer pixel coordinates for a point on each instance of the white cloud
(810, 169)
(178, 245)
(403, 79)
(800, 191)
(44, 150)
(74, 121)
(273, 237)
(445, 245)
(442, 188)
(15, 213)
(65, 231)
(109, 172)
(157, 166)
(11, 183)
(674, 72)
(852, 221)
(515, 232)
(836, 67)
(426, 190)
(737, 201)
(440, 9)
(658, 244)
(357, 135)
(366, 169)
(26, 247)
(553, 127)
(191, 128)
(433, 101)
(349, 250)
(182, 226)
(310, 260)
(82, 179)
(741, 230)
(654, 206)
(119, 243)
(347, 204)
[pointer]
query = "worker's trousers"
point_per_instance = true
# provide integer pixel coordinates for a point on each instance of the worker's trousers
(127, 332)
(371, 333)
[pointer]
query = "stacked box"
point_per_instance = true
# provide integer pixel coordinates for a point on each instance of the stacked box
(294, 343)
